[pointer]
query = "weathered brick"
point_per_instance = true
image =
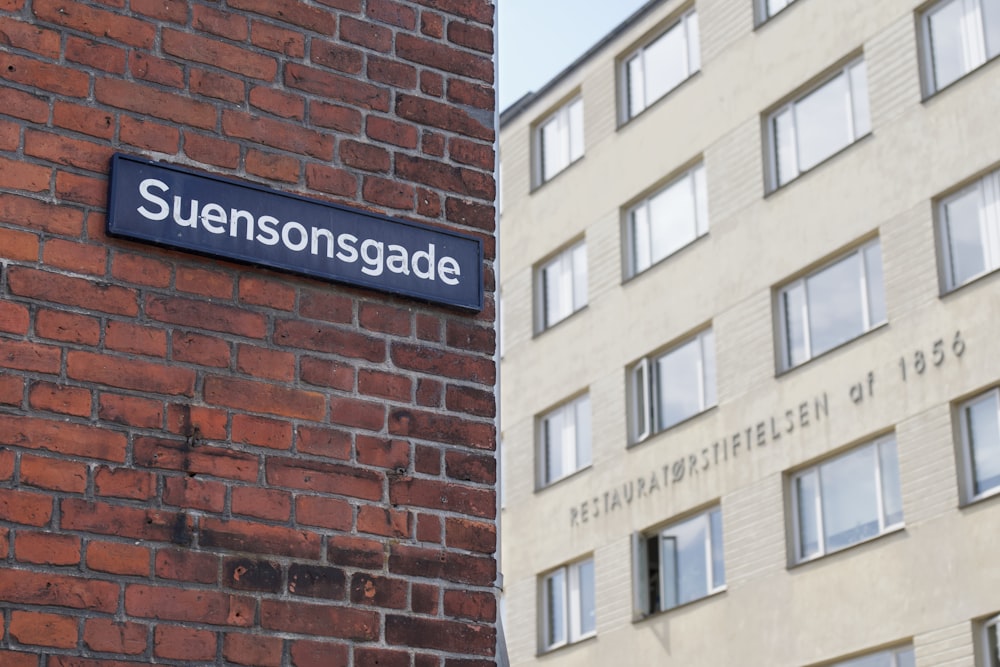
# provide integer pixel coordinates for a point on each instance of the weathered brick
(196, 606)
(290, 137)
(180, 643)
(435, 494)
(328, 443)
(97, 22)
(366, 34)
(443, 635)
(290, 11)
(24, 35)
(262, 503)
(53, 474)
(57, 288)
(118, 558)
(112, 519)
(324, 478)
(247, 574)
(149, 101)
(332, 340)
(41, 629)
(149, 134)
(253, 537)
(186, 565)
(85, 120)
(124, 483)
(262, 432)
(332, 513)
(54, 78)
(318, 654)
(129, 373)
(62, 437)
(56, 590)
(204, 460)
(106, 635)
(35, 214)
(47, 548)
(193, 493)
(195, 48)
(393, 13)
(337, 87)
(135, 339)
(251, 649)
(443, 57)
(325, 621)
(471, 36)
(95, 54)
(387, 592)
(211, 316)
(267, 398)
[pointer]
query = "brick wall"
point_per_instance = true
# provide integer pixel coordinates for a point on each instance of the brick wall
(204, 462)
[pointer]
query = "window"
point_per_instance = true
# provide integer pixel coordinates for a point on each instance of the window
(768, 8)
(959, 36)
(833, 305)
(568, 605)
(668, 388)
(681, 563)
(980, 426)
(810, 129)
(560, 140)
(562, 286)
(847, 499)
(991, 642)
(898, 657)
(655, 69)
(668, 220)
(970, 231)
(564, 438)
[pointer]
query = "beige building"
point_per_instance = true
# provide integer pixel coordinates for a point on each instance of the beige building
(751, 340)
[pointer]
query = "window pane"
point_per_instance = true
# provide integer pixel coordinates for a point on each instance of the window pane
(693, 43)
(993, 641)
(775, 6)
(701, 198)
(688, 541)
(876, 288)
(859, 99)
(966, 246)
(718, 563)
(636, 85)
(904, 658)
(555, 307)
(850, 503)
(672, 216)
(984, 436)
(553, 425)
(582, 415)
(794, 304)
(666, 60)
(805, 502)
(579, 277)
(949, 52)
(835, 306)
(821, 122)
(552, 162)
(640, 416)
(588, 619)
(641, 258)
(678, 384)
(875, 660)
(555, 600)
(708, 372)
(785, 160)
(991, 24)
(892, 501)
(575, 119)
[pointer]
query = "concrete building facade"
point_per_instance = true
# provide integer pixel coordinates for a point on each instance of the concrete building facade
(749, 312)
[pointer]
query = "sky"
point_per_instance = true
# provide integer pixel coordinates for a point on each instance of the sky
(538, 38)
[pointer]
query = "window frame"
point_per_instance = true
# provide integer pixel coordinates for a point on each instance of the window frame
(642, 570)
(927, 74)
(990, 644)
(581, 454)
(796, 550)
(773, 181)
(894, 653)
(763, 15)
(966, 445)
(682, 20)
(785, 363)
(562, 115)
(578, 275)
(644, 386)
(987, 191)
(697, 183)
(572, 612)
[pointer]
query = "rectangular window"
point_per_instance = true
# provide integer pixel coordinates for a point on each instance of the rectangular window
(970, 231)
(680, 563)
(559, 140)
(670, 387)
(810, 129)
(845, 500)
(656, 68)
(768, 8)
(980, 426)
(832, 305)
(958, 37)
(564, 440)
(667, 220)
(898, 657)
(562, 285)
(991, 642)
(568, 605)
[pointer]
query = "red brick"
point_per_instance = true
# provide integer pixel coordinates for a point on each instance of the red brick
(196, 606)
(324, 478)
(278, 103)
(150, 101)
(164, 10)
(425, 598)
(39, 629)
(95, 54)
(471, 94)
(356, 413)
(231, 25)
(254, 537)
(380, 657)
(24, 105)
(129, 373)
(384, 385)
(20, 175)
(47, 548)
(480, 11)
(442, 116)
(202, 350)
(393, 13)
(76, 257)
(136, 339)
(97, 22)
(470, 535)
(471, 467)
(474, 605)
(378, 591)
(62, 437)
(218, 86)
(336, 87)
(335, 117)
(432, 24)
(262, 432)
(290, 11)
(324, 305)
(244, 649)
(388, 193)
(383, 453)
(211, 150)
(262, 503)
(108, 636)
(54, 590)
(391, 132)
(14, 318)
(18, 245)
(118, 558)
(211, 316)
(336, 56)
(328, 443)
(187, 565)
(448, 364)
(364, 156)
(325, 621)
(350, 551)
(478, 402)
(31, 213)
(205, 460)
(121, 521)
(459, 180)
(36, 74)
(237, 59)
(273, 167)
(22, 35)
(140, 269)
(291, 137)
(83, 119)
(17, 659)
(433, 494)
(267, 398)
(384, 521)
(124, 483)
(260, 291)
(427, 460)
(274, 38)
(204, 282)
(443, 635)
(329, 513)
(317, 581)
(471, 36)
(324, 373)
(179, 643)
(432, 143)
(472, 214)
(193, 493)
(196, 421)
(53, 474)
(130, 410)
(429, 528)
(47, 286)
(318, 654)
(248, 574)
(332, 340)
(11, 391)
(331, 180)
(366, 34)
(442, 57)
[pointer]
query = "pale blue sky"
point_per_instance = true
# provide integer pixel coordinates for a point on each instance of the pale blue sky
(538, 38)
